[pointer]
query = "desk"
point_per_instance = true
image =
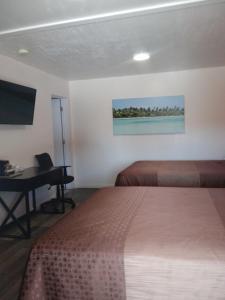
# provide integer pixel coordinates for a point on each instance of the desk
(29, 180)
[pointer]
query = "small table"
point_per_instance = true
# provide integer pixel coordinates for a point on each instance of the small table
(28, 180)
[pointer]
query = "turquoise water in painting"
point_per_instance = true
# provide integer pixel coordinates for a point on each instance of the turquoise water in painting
(148, 125)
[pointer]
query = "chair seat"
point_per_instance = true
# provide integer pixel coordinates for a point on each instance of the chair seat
(66, 180)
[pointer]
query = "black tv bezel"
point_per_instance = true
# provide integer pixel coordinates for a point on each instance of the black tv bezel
(34, 91)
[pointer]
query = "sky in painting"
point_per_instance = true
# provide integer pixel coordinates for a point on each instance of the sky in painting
(151, 102)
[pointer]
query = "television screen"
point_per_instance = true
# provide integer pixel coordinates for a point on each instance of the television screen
(16, 104)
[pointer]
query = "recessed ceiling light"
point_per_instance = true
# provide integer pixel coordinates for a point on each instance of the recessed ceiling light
(23, 51)
(141, 56)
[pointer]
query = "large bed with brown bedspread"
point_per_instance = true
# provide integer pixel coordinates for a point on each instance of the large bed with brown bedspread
(199, 173)
(135, 243)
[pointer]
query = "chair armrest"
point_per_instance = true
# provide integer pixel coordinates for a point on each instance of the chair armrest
(64, 166)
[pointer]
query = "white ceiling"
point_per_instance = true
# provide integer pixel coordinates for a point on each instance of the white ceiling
(178, 38)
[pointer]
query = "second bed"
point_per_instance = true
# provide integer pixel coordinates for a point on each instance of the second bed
(199, 173)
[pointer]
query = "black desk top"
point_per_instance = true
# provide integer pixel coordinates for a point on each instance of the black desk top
(28, 173)
(28, 179)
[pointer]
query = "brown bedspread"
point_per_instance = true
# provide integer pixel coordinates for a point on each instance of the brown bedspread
(135, 243)
(201, 173)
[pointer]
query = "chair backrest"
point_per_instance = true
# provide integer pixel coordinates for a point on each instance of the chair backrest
(44, 161)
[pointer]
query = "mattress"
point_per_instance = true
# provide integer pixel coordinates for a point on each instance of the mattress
(135, 243)
(202, 173)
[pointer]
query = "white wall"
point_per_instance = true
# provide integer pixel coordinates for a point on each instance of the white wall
(19, 144)
(98, 155)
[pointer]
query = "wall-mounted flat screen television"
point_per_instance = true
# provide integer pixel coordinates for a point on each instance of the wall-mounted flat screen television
(16, 103)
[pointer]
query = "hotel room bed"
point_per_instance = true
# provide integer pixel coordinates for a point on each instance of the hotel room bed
(199, 173)
(135, 243)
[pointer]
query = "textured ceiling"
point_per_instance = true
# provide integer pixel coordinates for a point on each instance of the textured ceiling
(30, 12)
(178, 39)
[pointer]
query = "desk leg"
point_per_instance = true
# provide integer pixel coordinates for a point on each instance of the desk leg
(10, 214)
(34, 200)
(28, 235)
(62, 198)
(10, 211)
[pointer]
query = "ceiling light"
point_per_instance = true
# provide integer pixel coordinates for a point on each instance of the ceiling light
(141, 56)
(23, 51)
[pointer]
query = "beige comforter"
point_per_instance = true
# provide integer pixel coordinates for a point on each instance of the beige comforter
(135, 243)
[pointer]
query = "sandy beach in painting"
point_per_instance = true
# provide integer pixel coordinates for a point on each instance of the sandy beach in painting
(150, 125)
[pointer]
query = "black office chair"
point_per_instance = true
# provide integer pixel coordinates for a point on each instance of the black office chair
(45, 163)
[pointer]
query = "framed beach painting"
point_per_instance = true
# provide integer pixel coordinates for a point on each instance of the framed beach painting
(150, 115)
